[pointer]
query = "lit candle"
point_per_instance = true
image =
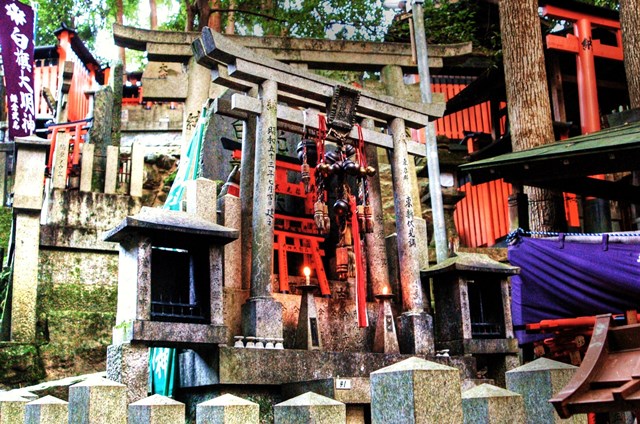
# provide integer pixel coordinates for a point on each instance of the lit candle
(307, 274)
(384, 290)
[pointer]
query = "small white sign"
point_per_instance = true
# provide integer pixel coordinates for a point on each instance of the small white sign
(343, 384)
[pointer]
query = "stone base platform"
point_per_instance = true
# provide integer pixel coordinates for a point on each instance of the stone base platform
(276, 367)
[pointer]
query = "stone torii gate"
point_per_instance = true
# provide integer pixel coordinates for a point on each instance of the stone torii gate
(266, 84)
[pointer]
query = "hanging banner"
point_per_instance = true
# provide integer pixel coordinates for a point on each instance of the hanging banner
(16, 41)
(569, 279)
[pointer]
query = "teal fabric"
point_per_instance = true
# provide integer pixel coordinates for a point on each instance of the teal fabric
(163, 361)
(163, 370)
(189, 166)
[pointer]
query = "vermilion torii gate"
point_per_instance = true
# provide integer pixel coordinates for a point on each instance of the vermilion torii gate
(266, 84)
(586, 49)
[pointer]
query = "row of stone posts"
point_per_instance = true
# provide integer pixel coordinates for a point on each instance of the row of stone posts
(412, 391)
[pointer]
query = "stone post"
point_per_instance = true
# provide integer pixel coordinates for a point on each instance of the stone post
(157, 409)
(228, 409)
(86, 166)
(310, 408)
(231, 216)
(262, 314)
(416, 327)
(5, 148)
(247, 172)
(111, 170)
(12, 408)
(128, 363)
(197, 95)
(60, 159)
(377, 264)
(137, 170)
(385, 339)
(98, 401)
(490, 404)
(47, 410)
(201, 199)
(27, 204)
(416, 391)
(308, 331)
(537, 382)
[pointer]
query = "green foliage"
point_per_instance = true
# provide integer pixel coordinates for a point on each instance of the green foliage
(6, 220)
(339, 19)
(445, 23)
(85, 16)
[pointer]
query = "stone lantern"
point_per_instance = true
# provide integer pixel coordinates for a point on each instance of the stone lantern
(170, 279)
(473, 310)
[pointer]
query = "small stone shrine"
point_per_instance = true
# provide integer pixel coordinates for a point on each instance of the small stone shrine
(473, 311)
(170, 277)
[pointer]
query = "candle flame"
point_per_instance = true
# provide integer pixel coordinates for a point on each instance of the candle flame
(306, 271)
(384, 290)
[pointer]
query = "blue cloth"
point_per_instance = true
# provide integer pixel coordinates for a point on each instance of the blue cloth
(562, 279)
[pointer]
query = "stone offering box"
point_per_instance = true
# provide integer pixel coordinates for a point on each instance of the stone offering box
(170, 278)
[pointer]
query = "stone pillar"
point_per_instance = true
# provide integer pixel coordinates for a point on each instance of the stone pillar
(247, 168)
(27, 204)
(47, 410)
(197, 95)
(201, 199)
(100, 134)
(262, 314)
(231, 217)
(116, 80)
(137, 170)
(394, 85)
(128, 364)
(416, 391)
(156, 409)
(86, 166)
(416, 327)
(377, 265)
(537, 382)
(228, 409)
(490, 404)
(98, 400)
(310, 408)
(12, 408)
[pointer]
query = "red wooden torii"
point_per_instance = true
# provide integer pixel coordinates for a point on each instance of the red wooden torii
(587, 49)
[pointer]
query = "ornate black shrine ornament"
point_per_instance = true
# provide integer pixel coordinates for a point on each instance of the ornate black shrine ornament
(341, 110)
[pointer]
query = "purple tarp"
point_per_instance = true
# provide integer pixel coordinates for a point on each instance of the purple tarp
(567, 279)
(16, 40)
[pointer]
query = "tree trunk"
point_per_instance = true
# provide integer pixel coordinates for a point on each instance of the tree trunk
(630, 23)
(215, 18)
(230, 27)
(527, 99)
(153, 14)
